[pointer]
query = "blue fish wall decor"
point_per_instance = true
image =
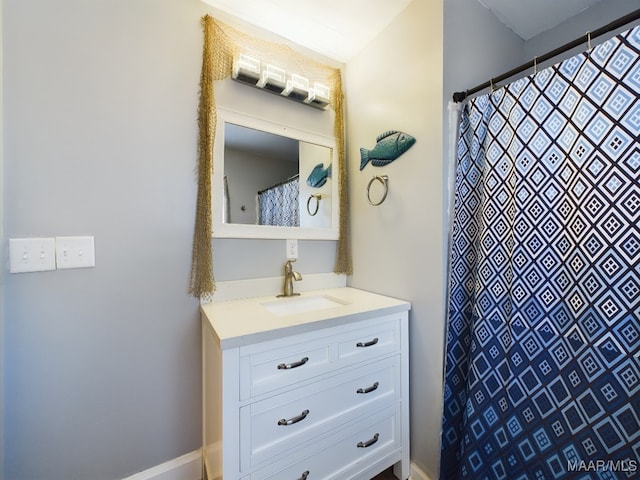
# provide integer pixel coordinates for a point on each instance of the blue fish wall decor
(390, 145)
(318, 176)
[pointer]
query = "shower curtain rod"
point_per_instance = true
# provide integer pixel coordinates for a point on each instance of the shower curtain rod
(279, 184)
(621, 22)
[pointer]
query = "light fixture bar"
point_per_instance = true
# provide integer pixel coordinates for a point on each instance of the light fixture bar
(271, 78)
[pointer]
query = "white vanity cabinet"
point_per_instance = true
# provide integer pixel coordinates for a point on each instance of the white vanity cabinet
(316, 395)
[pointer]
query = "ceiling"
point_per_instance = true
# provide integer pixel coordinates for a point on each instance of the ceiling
(339, 29)
(528, 18)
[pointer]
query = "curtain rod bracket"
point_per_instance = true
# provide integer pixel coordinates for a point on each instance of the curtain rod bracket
(459, 97)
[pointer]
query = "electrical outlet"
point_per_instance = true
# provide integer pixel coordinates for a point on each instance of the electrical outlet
(32, 254)
(75, 252)
(292, 249)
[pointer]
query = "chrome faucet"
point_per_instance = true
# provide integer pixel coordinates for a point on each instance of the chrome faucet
(289, 276)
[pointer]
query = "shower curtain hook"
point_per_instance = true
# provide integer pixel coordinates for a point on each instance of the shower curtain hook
(491, 84)
(535, 65)
(588, 40)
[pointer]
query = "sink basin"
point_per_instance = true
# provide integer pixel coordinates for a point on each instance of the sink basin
(291, 305)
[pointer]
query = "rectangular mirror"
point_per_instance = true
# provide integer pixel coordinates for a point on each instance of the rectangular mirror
(272, 181)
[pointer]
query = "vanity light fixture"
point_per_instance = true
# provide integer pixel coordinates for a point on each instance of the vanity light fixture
(246, 69)
(297, 88)
(271, 78)
(319, 95)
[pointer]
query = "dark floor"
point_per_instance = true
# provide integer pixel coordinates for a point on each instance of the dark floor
(386, 475)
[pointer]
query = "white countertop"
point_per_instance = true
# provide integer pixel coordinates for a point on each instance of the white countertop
(240, 322)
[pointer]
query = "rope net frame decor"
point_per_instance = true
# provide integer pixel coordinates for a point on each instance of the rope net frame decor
(222, 44)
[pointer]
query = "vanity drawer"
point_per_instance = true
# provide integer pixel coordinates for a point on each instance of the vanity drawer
(283, 366)
(284, 422)
(341, 458)
(284, 362)
(370, 343)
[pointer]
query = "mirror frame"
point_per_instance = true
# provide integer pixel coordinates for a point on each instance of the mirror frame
(238, 230)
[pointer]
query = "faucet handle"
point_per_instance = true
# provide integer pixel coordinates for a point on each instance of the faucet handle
(289, 264)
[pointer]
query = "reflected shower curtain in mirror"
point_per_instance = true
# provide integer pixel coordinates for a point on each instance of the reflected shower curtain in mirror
(278, 205)
(542, 376)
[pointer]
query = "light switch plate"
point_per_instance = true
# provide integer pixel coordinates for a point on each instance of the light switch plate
(75, 252)
(32, 254)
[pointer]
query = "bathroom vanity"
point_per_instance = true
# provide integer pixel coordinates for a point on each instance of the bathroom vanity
(307, 387)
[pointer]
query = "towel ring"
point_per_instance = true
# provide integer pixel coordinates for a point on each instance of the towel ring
(317, 196)
(384, 180)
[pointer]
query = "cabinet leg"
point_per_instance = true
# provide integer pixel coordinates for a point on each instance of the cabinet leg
(401, 471)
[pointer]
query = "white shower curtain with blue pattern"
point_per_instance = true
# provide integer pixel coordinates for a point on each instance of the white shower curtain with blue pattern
(279, 205)
(542, 377)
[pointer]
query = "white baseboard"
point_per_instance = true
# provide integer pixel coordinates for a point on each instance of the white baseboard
(417, 473)
(189, 467)
(186, 467)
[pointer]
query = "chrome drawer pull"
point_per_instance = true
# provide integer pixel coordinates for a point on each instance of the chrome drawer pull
(293, 420)
(289, 366)
(368, 389)
(368, 443)
(367, 344)
(304, 475)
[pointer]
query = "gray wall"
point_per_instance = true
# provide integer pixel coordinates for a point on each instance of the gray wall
(1, 230)
(476, 46)
(101, 366)
(589, 20)
(395, 83)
